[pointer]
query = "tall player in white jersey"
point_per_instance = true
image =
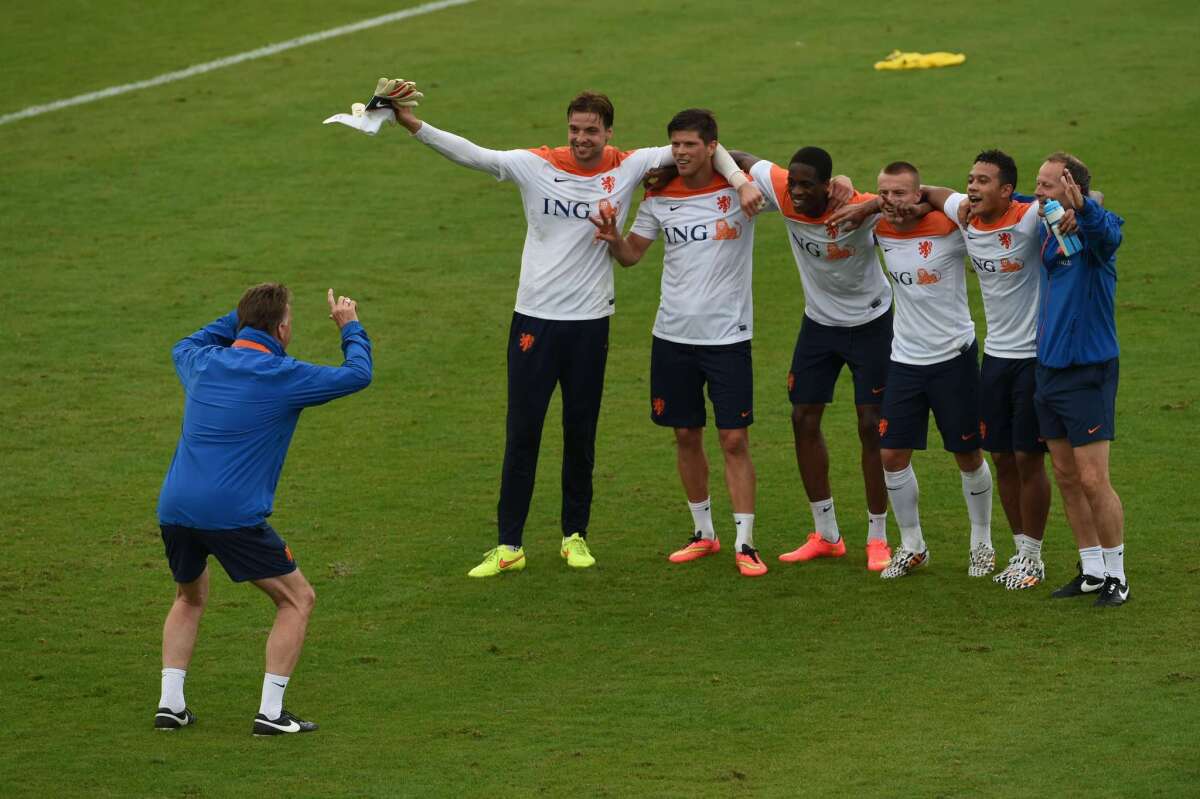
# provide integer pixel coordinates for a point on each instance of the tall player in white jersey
(934, 364)
(1004, 246)
(559, 330)
(847, 321)
(703, 328)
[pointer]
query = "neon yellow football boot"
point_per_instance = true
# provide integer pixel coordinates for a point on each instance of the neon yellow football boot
(499, 560)
(575, 551)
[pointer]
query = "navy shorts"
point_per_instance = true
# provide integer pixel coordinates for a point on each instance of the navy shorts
(821, 350)
(247, 553)
(678, 373)
(950, 389)
(1078, 403)
(1007, 419)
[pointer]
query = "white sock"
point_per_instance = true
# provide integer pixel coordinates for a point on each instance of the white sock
(1091, 560)
(977, 491)
(825, 520)
(702, 518)
(903, 493)
(172, 690)
(1031, 548)
(744, 522)
(1114, 562)
(272, 695)
(509, 547)
(1018, 542)
(877, 526)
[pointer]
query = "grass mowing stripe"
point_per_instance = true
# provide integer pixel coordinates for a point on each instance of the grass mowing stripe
(228, 61)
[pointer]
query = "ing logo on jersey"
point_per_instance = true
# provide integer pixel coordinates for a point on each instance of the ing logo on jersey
(883, 427)
(658, 405)
(927, 277)
(525, 342)
(835, 253)
(1011, 265)
(723, 203)
(925, 248)
(727, 232)
(608, 182)
(1005, 240)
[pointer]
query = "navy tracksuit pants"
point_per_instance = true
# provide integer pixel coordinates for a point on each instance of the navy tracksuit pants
(542, 354)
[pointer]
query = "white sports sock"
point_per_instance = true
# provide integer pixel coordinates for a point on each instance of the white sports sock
(1031, 548)
(509, 547)
(904, 493)
(1018, 542)
(1091, 560)
(977, 491)
(172, 690)
(877, 526)
(825, 520)
(272, 695)
(744, 522)
(1114, 562)
(702, 518)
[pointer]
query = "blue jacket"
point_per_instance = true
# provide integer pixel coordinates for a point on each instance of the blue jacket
(1076, 322)
(241, 405)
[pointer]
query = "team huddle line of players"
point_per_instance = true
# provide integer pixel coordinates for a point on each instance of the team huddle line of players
(1053, 389)
(1047, 380)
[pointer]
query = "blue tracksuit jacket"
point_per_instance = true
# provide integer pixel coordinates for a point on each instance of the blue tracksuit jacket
(241, 405)
(1076, 320)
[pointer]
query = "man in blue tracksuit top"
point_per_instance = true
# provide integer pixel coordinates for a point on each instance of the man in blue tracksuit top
(242, 398)
(1077, 378)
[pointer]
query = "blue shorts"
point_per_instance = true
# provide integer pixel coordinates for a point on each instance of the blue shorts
(821, 350)
(247, 553)
(678, 373)
(950, 389)
(1078, 403)
(1007, 419)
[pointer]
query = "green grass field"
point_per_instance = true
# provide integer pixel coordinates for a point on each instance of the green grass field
(130, 222)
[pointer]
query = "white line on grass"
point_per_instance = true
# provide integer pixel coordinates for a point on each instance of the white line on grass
(228, 61)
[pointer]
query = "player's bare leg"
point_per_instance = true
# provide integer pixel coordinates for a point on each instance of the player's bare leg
(1008, 484)
(294, 599)
(740, 479)
(872, 463)
(812, 456)
(1108, 515)
(1035, 493)
(692, 463)
(1075, 501)
(179, 641)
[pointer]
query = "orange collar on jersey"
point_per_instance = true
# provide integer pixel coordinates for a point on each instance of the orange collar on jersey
(677, 188)
(247, 344)
(1015, 213)
(562, 159)
(934, 223)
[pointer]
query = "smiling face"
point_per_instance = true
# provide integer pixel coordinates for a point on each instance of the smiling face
(587, 137)
(810, 194)
(693, 156)
(896, 190)
(1049, 182)
(988, 196)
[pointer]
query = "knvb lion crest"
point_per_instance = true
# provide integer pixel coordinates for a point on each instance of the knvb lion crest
(883, 427)
(1006, 240)
(608, 182)
(925, 247)
(831, 230)
(658, 405)
(525, 342)
(723, 203)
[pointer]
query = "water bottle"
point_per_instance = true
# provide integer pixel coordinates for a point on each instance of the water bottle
(1069, 243)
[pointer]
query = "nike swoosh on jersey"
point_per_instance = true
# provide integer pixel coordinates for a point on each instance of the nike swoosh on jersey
(562, 180)
(676, 207)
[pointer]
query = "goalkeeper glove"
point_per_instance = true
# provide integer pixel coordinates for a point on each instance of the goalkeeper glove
(395, 92)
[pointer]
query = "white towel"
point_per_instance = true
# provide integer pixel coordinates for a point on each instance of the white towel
(369, 122)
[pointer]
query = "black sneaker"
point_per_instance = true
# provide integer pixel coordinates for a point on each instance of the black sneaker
(1114, 593)
(286, 723)
(1082, 585)
(167, 719)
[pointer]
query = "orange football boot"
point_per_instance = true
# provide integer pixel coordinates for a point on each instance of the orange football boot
(749, 563)
(697, 547)
(879, 555)
(816, 547)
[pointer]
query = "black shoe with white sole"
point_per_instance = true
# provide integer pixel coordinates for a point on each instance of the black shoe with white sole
(1082, 585)
(284, 725)
(167, 719)
(1114, 593)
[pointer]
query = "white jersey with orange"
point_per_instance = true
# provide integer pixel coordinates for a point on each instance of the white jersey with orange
(708, 246)
(565, 273)
(843, 281)
(933, 321)
(1006, 255)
